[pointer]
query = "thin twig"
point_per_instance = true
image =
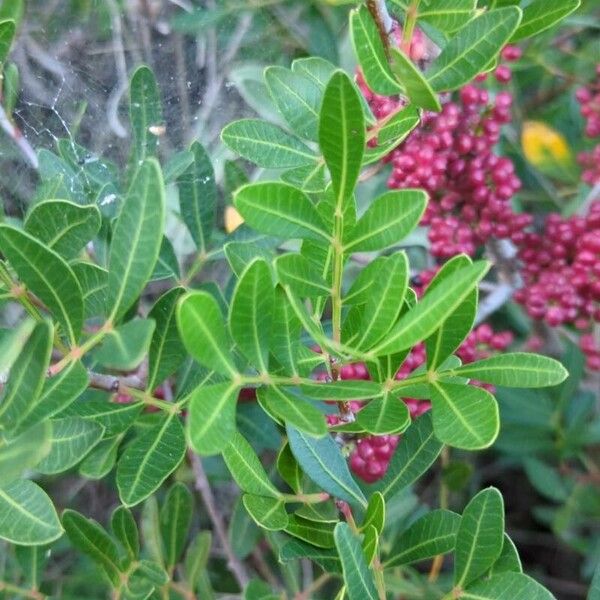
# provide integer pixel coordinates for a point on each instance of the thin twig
(202, 485)
(114, 384)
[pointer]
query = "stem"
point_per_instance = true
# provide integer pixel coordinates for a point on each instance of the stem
(202, 485)
(438, 561)
(409, 26)
(384, 21)
(306, 498)
(318, 583)
(14, 589)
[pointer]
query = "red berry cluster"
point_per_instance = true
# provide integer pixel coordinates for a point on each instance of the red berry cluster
(450, 156)
(561, 276)
(589, 98)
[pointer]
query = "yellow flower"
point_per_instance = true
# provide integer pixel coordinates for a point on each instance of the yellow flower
(543, 145)
(233, 219)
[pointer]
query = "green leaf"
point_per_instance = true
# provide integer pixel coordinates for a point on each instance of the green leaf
(150, 459)
(268, 513)
(167, 352)
(384, 304)
(417, 88)
(32, 560)
(153, 572)
(445, 15)
(508, 561)
(125, 529)
(91, 539)
(246, 468)
(594, 592)
(473, 48)
(385, 415)
(93, 281)
(298, 99)
(290, 408)
(301, 275)
(26, 377)
(63, 226)
(145, 113)
(370, 51)
(251, 313)
(431, 535)
(241, 254)
(285, 333)
(317, 533)
(359, 580)
(323, 462)
(196, 557)
(211, 422)
(167, 265)
(457, 326)
(24, 452)
(516, 369)
(375, 515)
(125, 347)
(412, 458)
(71, 440)
(422, 320)
(388, 220)
(101, 460)
(58, 392)
(342, 135)
(175, 520)
(480, 536)
(507, 586)
(203, 332)
(136, 238)
(266, 145)
(342, 390)
(243, 533)
(540, 15)
(28, 516)
(177, 165)
(47, 275)
(113, 416)
(464, 416)
(198, 197)
(327, 558)
(280, 210)
(7, 34)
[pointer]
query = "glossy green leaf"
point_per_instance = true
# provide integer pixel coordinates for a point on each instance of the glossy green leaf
(327, 558)
(26, 377)
(301, 275)
(167, 352)
(115, 417)
(177, 165)
(516, 369)
(24, 451)
(292, 409)
(101, 460)
(322, 461)
(387, 221)
(136, 238)
(464, 416)
(58, 392)
(342, 135)
(203, 332)
(125, 529)
(375, 515)
(63, 226)
(359, 580)
(198, 197)
(455, 327)
(196, 557)
(342, 390)
(311, 179)
(472, 48)
(246, 468)
(145, 113)
(445, 15)
(28, 515)
(417, 88)
(269, 513)
(317, 533)
(211, 421)
(32, 560)
(370, 51)
(508, 561)
(71, 440)
(241, 254)
(285, 333)
(7, 34)
(280, 210)
(266, 145)
(47, 275)
(480, 536)
(507, 586)
(93, 281)
(150, 459)
(298, 99)
(412, 458)
(175, 520)
(385, 415)
(167, 265)
(540, 15)
(421, 321)
(251, 313)
(431, 535)
(91, 539)
(125, 347)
